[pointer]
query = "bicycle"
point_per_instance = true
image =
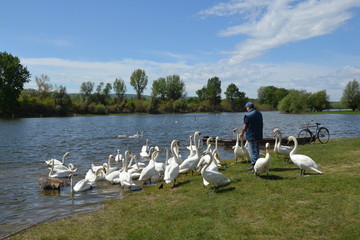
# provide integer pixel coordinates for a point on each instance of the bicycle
(307, 136)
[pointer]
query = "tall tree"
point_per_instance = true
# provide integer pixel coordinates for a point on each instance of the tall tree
(106, 93)
(139, 81)
(159, 88)
(351, 95)
(13, 76)
(62, 100)
(175, 87)
(236, 98)
(44, 87)
(120, 89)
(213, 90)
(86, 89)
(271, 95)
(318, 101)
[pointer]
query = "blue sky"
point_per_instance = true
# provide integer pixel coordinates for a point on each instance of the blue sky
(310, 45)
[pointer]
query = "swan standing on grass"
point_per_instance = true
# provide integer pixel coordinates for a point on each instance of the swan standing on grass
(149, 171)
(240, 151)
(190, 163)
(262, 165)
(57, 162)
(215, 179)
(172, 169)
(61, 172)
(302, 161)
(278, 148)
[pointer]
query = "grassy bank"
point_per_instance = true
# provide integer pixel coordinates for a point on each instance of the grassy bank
(289, 206)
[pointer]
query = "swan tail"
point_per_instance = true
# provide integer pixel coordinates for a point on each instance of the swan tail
(317, 170)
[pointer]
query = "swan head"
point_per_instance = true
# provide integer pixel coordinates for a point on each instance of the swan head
(235, 130)
(208, 140)
(111, 157)
(291, 138)
(267, 145)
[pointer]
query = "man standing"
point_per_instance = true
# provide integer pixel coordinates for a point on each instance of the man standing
(253, 127)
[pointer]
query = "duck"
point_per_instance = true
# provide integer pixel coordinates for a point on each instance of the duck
(215, 179)
(302, 161)
(262, 165)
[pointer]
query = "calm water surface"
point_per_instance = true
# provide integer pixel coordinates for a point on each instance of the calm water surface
(26, 143)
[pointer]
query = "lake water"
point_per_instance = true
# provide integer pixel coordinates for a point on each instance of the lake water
(27, 142)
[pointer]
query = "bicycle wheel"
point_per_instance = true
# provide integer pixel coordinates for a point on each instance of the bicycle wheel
(304, 136)
(323, 135)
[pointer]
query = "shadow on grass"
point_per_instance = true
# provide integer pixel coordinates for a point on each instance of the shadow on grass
(271, 177)
(178, 184)
(283, 169)
(223, 190)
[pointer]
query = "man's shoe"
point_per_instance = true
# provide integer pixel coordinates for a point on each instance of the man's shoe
(251, 169)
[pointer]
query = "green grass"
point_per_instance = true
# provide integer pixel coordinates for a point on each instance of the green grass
(336, 112)
(288, 206)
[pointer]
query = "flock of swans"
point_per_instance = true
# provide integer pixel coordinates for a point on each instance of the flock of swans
(207, 162)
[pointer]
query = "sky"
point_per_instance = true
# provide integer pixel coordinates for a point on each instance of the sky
(310, 45)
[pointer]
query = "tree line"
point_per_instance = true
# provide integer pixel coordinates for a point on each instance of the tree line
(168, 95)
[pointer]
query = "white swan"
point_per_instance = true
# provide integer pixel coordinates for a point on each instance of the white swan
(302, 161)
(214, 178)
(125, 176)
(57, 162)
(262, 165)
(191, 147)
(240, 151)
(99, 174)
(160, 166)
(61, 172)
(172, 169)
(134, 171)
(118, 157)
(114, 176)
(149, 171)
(145, 150)
(137, 135)
(278, 148)
(190, 163)
(85, 184)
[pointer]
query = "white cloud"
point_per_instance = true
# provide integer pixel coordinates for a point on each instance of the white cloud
(270, 24)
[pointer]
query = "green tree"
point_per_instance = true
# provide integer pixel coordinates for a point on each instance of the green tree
(213, 91)
(236, 98)
(139, 81)
(13, 76)
(318, 101)
(106, 93)
(158, 88)
(62, 100)
(351, 95)
(86, 89)
(175, 87)
(44, 87)
(120, 89)
(271, 95)
(99, 93)
(294, 102)
(202, 94)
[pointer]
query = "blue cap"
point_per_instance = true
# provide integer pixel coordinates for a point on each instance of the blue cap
(249, 104)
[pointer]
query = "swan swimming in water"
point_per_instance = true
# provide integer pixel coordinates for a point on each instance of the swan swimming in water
(61, 172)
(302, 161)
(57, 162)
